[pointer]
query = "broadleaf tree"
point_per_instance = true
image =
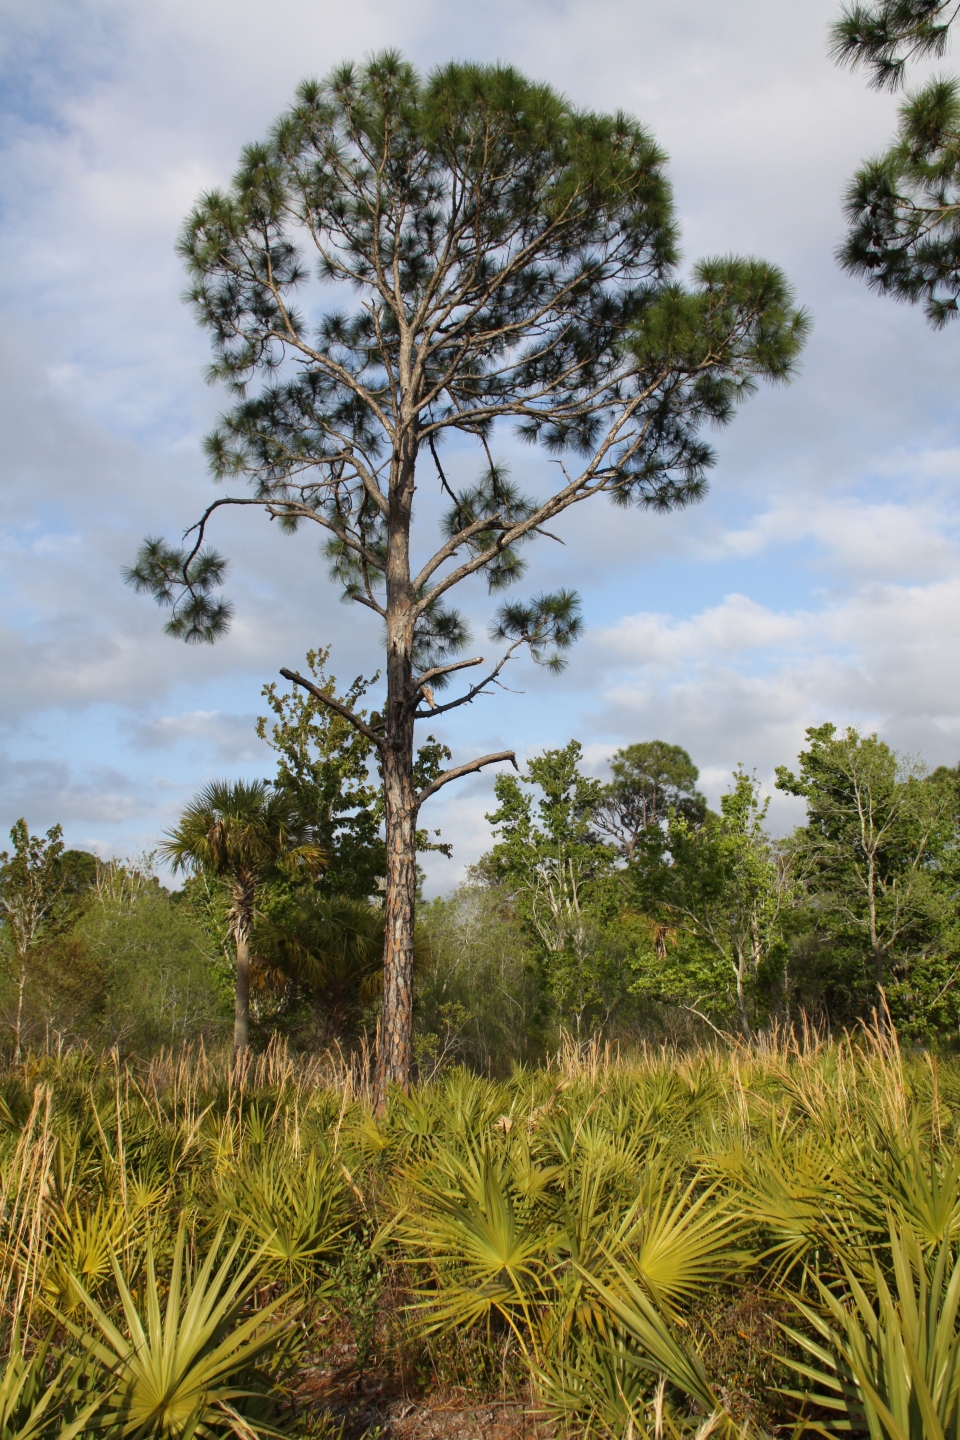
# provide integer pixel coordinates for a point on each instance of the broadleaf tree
(487, 255)
(31, 885)
(722, 889)
(903, 206)
(876, 859)
(560, 875)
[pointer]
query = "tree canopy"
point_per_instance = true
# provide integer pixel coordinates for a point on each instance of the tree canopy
(903, 207)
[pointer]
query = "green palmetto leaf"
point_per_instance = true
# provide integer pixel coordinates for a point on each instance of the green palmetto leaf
(887, 1359)
(483, 1241)
(677, 1241)
(631, 1356)
(298, 1208)
(924, 1189)
(83, 1242)
(37, 1406)
(183, 1368)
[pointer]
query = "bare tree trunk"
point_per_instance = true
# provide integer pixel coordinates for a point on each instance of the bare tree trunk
(21, 985)
(881, 1009)
(241, 1010)
(745, 1025)
(395, 1060)
(878, 978)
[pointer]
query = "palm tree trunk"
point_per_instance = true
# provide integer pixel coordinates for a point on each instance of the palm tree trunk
(241, 915)
(241, 1012)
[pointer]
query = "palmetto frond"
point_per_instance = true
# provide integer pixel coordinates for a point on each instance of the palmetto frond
(185, 1367)
(884, 1352)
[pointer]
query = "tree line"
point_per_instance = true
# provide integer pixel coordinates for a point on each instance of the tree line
(623, 908)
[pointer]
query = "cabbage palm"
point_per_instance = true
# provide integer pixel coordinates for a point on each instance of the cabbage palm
(240, 832)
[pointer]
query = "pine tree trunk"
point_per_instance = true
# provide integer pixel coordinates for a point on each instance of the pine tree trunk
(395, 1058)
(395, 1061)
(241, 1010)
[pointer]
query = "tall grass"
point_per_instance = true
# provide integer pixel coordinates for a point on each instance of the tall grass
(717, 1241)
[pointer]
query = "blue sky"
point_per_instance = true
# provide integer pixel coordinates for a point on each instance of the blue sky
(819, 580)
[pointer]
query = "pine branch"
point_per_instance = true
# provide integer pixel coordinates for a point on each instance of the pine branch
(332, 704)
(467, 769)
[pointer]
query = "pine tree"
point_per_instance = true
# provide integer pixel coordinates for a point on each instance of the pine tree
(500, 258)
(903, 207)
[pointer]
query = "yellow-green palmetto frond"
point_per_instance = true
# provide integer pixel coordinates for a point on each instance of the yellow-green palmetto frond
(82, 1243)
(680, 1240)
(185, 1367)
(639, 1339)
(921, 1182)
(297, 1207)
(884, 1354)
(483, 1242)
(36, 1404)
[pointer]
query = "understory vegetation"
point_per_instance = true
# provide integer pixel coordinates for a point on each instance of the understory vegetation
(624, 909)
(723, 1241)
(681, 1157)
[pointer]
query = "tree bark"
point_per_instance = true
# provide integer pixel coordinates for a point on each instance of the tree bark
(745, 1026)
(241, 923)
(21, 986)
(395, 1061)
(241, 1010)
(395, 1057)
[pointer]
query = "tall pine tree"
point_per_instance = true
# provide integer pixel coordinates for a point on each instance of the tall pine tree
(490, 255)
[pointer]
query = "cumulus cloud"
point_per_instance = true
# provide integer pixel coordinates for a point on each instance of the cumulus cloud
(230, 738)
(41, 788)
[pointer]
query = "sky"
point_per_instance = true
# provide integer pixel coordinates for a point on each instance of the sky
(819, 580)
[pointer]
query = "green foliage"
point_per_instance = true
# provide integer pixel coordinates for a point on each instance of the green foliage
(718, 890)
(35, 1404)
(877, 860)
(243, 833)
(358, 1284)
(480, 996)
(902, 206)
(320, 957)
(141, 972)
(885, 1355)
(41, 889)
(503, 259)
(117, 960)
(575, 1229)
(186, 1367)
(561, 880)
(553, 242)
(885, 34)
(297, 1206)
(324, 764)
(652, 783)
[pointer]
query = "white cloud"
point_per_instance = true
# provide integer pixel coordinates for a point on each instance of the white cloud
(223, 737)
